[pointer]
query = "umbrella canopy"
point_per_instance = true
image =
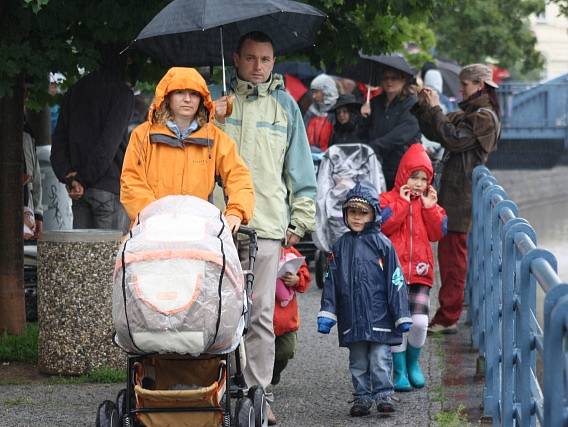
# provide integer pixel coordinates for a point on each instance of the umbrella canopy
(370, 68)
(301, 69)
(294, 86)
(450, 74)
(187, 32)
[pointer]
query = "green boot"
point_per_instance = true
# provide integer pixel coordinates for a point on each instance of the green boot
(415, 374)
(399, 372)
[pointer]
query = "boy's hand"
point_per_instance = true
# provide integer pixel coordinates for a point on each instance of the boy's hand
(431, 198)
(325, 324)
(405, 192)
(290, 280)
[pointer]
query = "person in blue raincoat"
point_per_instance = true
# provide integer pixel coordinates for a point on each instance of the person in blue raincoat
(365, 294)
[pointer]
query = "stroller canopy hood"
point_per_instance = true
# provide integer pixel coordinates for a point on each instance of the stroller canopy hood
(178, 282)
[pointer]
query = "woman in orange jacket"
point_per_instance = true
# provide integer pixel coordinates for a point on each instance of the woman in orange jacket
(287, 315)
(179, 151)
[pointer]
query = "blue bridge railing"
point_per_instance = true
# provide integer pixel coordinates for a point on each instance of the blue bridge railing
(505, 268)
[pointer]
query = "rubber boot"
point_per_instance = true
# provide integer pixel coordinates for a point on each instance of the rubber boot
(399, 372)
(415, 374)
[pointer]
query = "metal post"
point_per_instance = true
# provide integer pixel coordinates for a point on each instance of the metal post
(510, 305)
(527, 367)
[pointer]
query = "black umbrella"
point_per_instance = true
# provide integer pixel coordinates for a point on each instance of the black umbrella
(450, 74)
(301, 69)
(370, 68)
(202, 32)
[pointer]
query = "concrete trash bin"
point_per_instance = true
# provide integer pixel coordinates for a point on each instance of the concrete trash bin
(75, 301)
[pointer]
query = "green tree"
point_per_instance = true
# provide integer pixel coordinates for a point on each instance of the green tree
(471, 30)
(39, 36)
(375, 27)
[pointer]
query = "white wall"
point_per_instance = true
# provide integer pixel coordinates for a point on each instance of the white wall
(551, 32)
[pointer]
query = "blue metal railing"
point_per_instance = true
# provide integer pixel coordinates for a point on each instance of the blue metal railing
(505, 267)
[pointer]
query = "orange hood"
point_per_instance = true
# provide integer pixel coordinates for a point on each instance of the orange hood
(179, 78)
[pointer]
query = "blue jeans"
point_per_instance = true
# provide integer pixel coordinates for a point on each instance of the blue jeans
(370, 364)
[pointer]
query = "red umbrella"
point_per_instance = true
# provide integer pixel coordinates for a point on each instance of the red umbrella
(294, 86)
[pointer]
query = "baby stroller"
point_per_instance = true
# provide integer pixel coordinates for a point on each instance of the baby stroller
(181, 305)
(342, 166)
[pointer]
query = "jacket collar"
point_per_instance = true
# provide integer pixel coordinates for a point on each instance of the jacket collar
(160, 134)
(475, 102)
(250, 90)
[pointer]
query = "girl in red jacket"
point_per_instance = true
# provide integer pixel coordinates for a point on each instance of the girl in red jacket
(287, 316)
(412, 219)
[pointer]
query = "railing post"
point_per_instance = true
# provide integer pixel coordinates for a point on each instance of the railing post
(551, 345)
(557, 356)
(510, 306)
(479, 283)
(526, 335)
(473, 247)
(488, 315)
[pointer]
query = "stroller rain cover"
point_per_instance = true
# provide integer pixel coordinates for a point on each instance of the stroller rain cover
(342, 166)
(178, 285)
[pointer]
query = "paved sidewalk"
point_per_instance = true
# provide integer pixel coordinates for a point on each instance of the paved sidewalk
(314, 390)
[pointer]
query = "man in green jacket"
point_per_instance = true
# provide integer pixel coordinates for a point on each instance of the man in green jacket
(267, 126)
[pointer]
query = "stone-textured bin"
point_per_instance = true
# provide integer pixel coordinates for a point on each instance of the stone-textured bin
(75, 301)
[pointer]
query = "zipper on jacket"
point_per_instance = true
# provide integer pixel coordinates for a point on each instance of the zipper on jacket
(410, 257)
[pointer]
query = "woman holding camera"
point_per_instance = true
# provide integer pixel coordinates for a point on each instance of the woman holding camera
(468, 136)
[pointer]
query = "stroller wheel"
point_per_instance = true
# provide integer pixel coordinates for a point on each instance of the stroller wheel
(321, 268)
(245, 413)
(107, 415)
(256, 394)
(121, 403)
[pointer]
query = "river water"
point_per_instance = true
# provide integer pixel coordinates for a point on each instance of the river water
(550, 221)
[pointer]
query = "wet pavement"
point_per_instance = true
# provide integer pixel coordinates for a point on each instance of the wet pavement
(314, 390)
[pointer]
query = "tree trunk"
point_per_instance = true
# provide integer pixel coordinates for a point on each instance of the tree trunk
(12, 301)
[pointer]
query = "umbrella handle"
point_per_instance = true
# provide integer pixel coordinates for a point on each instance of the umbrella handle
(368, 92)
(223, 61)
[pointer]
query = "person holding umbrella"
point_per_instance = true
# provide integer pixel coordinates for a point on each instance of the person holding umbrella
(267, 125)
(179, 151)
(468, 136)
(392, 127)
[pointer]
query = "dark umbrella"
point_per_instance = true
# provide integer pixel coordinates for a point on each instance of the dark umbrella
(301, 69)
(370, 68)
(450, 74)
(202, 32)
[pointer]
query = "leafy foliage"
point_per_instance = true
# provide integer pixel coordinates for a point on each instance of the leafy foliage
(40, 36)
(375, 27)
(472, 30)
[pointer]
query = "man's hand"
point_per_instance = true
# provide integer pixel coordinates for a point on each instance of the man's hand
(74, 188)
(221, 109)
(431, 198)
(405, 192)
(291, 239)
(290, 280)
(234, 223)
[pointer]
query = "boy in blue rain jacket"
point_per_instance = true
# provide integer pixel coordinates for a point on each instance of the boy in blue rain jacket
(365, 293)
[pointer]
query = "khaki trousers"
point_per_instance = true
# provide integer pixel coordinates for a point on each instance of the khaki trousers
(259, 340)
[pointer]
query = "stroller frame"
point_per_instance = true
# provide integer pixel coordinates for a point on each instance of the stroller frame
(249, 409)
